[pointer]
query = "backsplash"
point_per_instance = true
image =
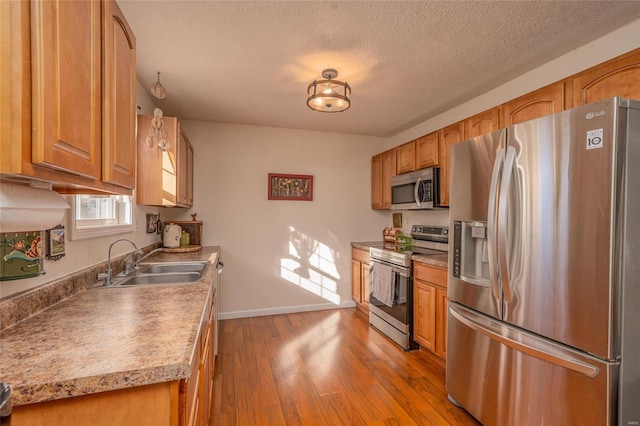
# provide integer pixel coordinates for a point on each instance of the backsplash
(20, 306)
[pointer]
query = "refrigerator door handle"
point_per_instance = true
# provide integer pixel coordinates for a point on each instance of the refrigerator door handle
(509, 163)
(565, 361)
(491, 224)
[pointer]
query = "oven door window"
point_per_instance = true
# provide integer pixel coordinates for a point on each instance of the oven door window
(398, 309)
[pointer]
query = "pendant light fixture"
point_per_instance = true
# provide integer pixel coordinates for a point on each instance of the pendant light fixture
(329, 95)
(158, 90)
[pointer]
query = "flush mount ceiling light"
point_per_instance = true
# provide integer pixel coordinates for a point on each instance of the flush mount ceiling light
(329, 95)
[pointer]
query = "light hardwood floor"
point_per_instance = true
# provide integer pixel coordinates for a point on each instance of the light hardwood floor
(324, 368)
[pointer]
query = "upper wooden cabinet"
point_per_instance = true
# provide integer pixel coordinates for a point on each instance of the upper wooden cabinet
(449, 136)
(67, 86)
(376, 181)
(619, 77)
(405, 158)
(485, 122)
(165, 177)
(545, 101)
(68, 92)
(119, 98)
(383, 167)
(427, 149)
(185, 171)
(388, 171)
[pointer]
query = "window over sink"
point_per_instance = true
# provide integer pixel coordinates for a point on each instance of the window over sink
(99, 215)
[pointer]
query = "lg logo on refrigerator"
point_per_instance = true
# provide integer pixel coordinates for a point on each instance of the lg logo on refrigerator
(591, 115)
(594, 139)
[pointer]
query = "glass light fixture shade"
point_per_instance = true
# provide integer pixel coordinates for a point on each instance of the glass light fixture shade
(329, 96)
(157, 89)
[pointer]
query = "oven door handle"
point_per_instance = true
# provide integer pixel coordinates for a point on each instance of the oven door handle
(405, 272)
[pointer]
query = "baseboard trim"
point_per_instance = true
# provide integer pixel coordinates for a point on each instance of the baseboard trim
(284, 310)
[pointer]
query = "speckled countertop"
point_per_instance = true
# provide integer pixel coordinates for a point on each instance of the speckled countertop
(107, 338)
(439, 260)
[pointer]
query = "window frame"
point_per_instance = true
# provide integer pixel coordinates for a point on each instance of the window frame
(98, 230)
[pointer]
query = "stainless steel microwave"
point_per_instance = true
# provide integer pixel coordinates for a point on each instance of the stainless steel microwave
(416, 190)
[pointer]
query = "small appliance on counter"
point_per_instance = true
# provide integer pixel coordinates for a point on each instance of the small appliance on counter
(182, 236)
(172, 234)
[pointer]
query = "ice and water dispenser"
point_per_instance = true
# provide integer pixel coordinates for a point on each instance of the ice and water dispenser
(470, 252)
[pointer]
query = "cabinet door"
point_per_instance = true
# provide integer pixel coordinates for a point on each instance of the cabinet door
(388, 171)
(545, 101)
(66, 86)
(356, 279)
(405, 157)
(157, 169)
(364, 276)
(376, 181)
(449, 136)
(427, 151)
(424, 315)
(185, 170)
(485, 122)
(441, 322)
(190, 174)
(119, 97)
(619, 77)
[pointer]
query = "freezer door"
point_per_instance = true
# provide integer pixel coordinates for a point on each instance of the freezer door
(556, 229)
(476, 166)
(504, 376)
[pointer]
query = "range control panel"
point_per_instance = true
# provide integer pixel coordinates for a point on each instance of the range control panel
(430, 233)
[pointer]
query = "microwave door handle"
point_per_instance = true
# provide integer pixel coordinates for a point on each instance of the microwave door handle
(416, 192)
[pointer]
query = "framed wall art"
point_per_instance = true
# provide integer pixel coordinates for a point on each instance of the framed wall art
(21, 255)
(290, 187)
(152, 223)
(55, 243)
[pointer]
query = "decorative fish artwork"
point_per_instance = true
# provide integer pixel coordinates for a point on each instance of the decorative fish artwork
(21, 255)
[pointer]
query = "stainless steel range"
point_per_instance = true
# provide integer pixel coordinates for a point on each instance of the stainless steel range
(391, 283)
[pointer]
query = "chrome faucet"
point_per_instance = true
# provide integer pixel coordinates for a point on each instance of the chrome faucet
(140, 259)
(128, 268)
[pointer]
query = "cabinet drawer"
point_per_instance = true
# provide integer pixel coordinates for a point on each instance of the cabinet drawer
(430, 274)
(360, 255)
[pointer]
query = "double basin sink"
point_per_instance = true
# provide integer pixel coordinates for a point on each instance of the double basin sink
(165, 273)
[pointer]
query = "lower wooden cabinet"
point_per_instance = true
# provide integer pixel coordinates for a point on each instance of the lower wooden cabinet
(360, 278)
(430, 308)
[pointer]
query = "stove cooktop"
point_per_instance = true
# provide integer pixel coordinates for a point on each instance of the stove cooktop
(426, 240)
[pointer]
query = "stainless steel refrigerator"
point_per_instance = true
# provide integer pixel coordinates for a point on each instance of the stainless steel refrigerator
(544, 270)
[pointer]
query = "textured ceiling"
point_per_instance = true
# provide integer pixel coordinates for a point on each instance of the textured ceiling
(250, 62)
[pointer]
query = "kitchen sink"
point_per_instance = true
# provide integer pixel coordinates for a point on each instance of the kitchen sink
(165, 273)
(173, 278)
(164, 268)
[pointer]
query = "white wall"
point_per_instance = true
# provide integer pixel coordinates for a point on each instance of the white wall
(231, 167)
(84, 253)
